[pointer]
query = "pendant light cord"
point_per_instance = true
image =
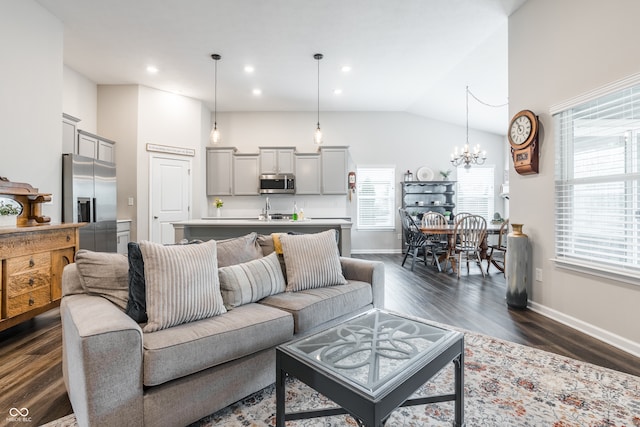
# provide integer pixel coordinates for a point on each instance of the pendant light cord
(318, 60)
(467, 115)
(215, 93)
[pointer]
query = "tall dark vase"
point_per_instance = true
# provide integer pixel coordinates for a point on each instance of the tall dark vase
(517, 267)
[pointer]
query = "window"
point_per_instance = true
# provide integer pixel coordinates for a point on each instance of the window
(475, 191)
(597, 183)
(376, 198)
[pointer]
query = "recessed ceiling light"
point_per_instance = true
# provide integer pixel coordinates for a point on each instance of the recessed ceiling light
(337, 91)
(151, 69)
(346, 68)
(249, 69)
(257, 92)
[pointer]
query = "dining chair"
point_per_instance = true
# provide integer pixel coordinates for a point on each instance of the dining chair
(437, 243)
(499, 249)
(469, 232)
(415, 240)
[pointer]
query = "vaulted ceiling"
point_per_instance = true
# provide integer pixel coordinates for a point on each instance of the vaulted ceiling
(414, 56)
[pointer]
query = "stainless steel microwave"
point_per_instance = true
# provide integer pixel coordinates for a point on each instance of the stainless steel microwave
(277, 184)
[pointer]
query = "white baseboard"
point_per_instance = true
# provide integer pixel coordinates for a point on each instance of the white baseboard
(622, 343)
(376, 251)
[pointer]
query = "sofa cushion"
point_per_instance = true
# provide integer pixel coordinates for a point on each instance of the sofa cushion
(137, 305)
(251, 281)
(181, 283)
(313, 307)
(184, 349)
(104, 274)
(238, 250)
(312, 260)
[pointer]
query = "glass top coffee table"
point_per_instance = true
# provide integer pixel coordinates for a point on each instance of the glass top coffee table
(370, 365)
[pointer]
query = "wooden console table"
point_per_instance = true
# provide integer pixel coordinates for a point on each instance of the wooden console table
(31, 263)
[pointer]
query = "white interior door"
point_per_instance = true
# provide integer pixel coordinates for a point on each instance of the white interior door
(170, 197)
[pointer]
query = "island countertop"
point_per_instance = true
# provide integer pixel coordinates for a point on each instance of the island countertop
(224, 228)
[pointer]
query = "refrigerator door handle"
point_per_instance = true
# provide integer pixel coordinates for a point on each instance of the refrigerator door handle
(95, 216)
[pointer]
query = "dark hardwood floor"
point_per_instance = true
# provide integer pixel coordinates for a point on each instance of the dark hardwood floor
(31, 356)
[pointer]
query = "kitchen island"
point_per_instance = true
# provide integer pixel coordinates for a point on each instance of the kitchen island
(224, 228)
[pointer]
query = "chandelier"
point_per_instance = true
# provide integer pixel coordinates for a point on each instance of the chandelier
(467, 156)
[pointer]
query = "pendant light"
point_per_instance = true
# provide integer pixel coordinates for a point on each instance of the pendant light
(215, 133)
(317, 136)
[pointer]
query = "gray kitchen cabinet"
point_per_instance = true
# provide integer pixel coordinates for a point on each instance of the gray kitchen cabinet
(245, 175)
(278, 160)
(95, 147)
(220, 171)
(69, 133)
(335, 162)
(308, 172)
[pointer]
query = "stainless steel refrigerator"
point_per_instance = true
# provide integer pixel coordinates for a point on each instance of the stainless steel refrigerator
(89, 195)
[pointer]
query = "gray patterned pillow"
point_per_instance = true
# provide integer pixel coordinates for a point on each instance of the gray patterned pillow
(251, 281)
(312, 260)
(181, 284)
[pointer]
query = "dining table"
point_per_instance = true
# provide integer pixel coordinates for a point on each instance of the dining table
(449, 231)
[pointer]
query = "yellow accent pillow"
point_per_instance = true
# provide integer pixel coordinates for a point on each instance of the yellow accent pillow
(277, 246)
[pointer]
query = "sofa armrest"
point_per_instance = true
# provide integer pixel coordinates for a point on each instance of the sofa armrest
(101, 362)
(366, 271)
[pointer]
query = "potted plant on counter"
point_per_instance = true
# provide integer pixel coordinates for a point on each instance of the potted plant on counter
(219, 203)
(9, 212)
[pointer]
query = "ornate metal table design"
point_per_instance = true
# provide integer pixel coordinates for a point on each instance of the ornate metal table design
(370, 365)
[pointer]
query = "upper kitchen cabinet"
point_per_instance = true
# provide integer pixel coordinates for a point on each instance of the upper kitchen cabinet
(308, 173)
(335, 162)
(245, 175)
(69, 133)
(277, 160)
(220, 171)
(96, 147)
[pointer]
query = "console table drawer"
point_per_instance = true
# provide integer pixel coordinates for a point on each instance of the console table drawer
(25, 264)
(27, 301)
(25, 282)
(28, 243)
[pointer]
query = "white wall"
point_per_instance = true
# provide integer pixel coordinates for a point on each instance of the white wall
(402, 140)
(559, 50)
(31, 100)
(80, 99)
(118, 121)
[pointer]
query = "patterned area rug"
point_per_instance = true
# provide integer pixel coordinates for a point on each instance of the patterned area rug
(506, 384)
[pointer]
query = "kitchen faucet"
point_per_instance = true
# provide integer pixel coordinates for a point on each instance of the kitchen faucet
(267, 208)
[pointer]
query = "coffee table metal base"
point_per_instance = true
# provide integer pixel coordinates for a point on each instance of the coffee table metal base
(367, 412)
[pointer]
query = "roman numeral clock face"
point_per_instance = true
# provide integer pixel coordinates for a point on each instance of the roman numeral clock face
(520, 130)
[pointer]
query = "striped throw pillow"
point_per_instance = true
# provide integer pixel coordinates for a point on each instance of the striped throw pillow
(181, 284)
(251, 281)
(311, 260)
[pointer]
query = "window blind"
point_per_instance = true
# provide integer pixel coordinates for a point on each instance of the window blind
(597, 181)
(376, 198)
(475, 192)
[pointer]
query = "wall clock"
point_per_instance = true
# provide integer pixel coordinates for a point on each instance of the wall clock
(523, 137)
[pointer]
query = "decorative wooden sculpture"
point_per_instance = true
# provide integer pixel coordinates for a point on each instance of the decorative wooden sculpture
(29, 198)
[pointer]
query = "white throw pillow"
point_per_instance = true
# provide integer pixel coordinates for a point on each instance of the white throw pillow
(311, 260)
(251, 281)
(181, 283)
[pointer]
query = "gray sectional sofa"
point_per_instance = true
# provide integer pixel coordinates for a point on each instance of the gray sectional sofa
(118, 374)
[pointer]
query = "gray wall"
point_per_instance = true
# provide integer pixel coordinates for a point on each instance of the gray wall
(557, 51)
